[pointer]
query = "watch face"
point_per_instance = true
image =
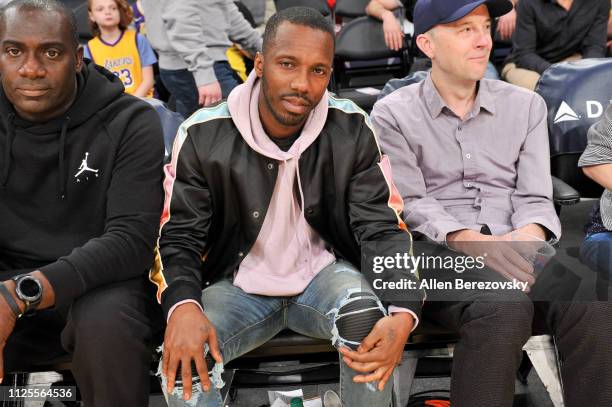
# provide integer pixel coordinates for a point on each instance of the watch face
(29, 287)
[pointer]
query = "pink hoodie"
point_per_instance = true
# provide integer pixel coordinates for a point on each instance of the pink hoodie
(288, 253)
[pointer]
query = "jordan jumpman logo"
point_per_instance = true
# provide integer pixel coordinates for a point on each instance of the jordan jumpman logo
(84, 168)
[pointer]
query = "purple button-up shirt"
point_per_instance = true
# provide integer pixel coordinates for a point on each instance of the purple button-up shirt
(492, 168)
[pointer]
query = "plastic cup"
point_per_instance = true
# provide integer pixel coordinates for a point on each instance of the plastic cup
(536, 251)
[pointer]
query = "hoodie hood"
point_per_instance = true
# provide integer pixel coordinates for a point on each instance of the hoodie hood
(243, 106)
(96, 88)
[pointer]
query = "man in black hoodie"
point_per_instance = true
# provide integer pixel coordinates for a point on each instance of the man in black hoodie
(80, 202)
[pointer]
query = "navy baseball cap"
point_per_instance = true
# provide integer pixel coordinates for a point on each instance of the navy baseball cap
(429, 13)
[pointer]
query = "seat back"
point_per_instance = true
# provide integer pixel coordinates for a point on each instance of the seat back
(351, 8)
(363, 63)
(363, 39)
(576, 94)
(320, 5)
(170, 123)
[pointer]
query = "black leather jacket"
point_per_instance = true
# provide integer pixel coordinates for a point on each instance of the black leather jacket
(218, 201)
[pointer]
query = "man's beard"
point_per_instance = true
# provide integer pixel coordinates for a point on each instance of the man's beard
(289, 120)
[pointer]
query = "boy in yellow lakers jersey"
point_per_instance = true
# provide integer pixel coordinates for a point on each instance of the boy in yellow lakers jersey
(122, 51)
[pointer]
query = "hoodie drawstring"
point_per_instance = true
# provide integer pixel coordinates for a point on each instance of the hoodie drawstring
(61, 166)
(10, 135)
(302, 203)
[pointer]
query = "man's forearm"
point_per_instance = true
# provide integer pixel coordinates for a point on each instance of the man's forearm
(378, 10)
(602, 174)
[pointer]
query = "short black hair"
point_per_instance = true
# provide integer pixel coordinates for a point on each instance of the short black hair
(44, 6)
(305, 16)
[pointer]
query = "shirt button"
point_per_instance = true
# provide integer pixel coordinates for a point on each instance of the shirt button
(270, 166)
(459, 128)
(256, 214)
(468, 156)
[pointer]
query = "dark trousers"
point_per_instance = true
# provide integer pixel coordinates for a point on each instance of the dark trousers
(228, 79)
(493, 327)
(109, 333)
(183, 90)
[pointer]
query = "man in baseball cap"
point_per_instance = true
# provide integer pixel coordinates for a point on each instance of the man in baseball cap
(429, 13)
(494, 186)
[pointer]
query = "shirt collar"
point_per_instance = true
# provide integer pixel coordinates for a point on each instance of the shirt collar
(435, 103)
(484, 98)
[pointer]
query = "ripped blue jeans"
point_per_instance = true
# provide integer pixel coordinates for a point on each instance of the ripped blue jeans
(332, 300)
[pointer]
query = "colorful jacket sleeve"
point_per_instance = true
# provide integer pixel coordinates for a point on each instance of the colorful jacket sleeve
(375, 208)
(185, 226)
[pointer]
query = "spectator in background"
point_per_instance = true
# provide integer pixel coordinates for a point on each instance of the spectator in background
(383, 10)
(553, 31)
(119, 49)
(596, 163)
(191, 38)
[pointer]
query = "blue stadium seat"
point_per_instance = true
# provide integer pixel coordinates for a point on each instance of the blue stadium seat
(576, 94)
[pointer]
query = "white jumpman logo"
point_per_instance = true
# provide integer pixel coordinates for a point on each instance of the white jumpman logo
(84, 167)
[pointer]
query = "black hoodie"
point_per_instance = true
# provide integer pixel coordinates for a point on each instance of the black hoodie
(81, 195)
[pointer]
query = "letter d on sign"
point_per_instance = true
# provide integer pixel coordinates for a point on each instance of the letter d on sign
(593, 104)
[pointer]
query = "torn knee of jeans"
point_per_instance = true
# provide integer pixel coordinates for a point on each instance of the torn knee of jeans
(214, 373)
(371, 386)
(355, 317)
(346, 270)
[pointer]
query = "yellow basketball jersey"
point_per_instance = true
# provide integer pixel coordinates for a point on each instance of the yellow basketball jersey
(236, 61)
(122, 59)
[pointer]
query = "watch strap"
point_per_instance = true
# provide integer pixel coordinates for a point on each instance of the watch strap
(10, 300)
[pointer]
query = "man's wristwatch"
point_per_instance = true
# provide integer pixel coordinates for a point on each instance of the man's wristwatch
(29, 290)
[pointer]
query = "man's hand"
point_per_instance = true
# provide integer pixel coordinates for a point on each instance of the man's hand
(498, 251)
(394, 36)
(528, 231)
(187, 332)
(506, 25)
(381, 350)
(209, 93)
(7, 322)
